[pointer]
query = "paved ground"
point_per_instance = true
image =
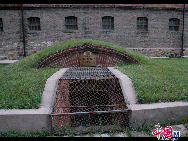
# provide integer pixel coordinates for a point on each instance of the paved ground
(133, 133)
(182, 128)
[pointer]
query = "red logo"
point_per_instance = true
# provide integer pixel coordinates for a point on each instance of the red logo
(167, 131)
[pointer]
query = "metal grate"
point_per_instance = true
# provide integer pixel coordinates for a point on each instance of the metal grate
(88, 73)
(88, 99)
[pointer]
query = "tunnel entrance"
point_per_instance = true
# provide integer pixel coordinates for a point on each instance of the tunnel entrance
(86, 55)
(88, 99)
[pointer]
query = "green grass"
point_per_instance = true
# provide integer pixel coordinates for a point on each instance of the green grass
(21, 85)
(160, 80)
(2, 65)
(21, 88)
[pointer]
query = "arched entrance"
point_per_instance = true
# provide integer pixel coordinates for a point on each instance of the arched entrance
(86, 55)
(89, 96)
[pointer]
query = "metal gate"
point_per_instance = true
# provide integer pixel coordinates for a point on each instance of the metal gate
(88, 99)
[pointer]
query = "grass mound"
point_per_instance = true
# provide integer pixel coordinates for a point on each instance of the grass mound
(155, 80)
(21, 85)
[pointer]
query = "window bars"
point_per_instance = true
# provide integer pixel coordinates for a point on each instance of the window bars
(142, 23)
(174, 24)
(108, 23)
(71, 23)
(34, 24)
(88, 99)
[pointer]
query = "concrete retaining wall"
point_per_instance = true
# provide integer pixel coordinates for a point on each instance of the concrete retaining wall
(24, 122)
(158, 112)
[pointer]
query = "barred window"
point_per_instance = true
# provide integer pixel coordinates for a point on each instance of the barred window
(1, 24)
(71, 23)
(142, 23)
(108, 23)
(174, 24)
(34, 24)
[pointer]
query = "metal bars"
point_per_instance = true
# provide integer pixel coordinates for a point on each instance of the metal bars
(88, 73)
(34, 23)
(88, 97)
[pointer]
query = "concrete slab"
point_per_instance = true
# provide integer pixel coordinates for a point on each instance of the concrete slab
(50, 85)
(47, 99)
(7, 61)
(158, 105)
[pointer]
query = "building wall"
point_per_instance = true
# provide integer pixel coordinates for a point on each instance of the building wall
(157, 41)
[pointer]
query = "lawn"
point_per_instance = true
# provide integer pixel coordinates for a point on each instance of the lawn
(155, 80)
(2, 65)
(21, 85)
(22, 88)
(160, 80)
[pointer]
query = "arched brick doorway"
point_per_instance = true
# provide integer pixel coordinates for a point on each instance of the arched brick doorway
(71, 57)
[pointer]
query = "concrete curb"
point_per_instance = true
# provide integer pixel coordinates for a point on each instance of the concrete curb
(32, 120)
(126, 85)
(7, 61)
(149, 113)
(158, 112)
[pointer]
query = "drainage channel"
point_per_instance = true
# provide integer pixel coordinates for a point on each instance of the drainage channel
(88, 99)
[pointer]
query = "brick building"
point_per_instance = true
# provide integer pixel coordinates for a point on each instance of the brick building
(150, 29)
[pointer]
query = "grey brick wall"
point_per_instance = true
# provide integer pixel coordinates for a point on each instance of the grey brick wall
(157, 41)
